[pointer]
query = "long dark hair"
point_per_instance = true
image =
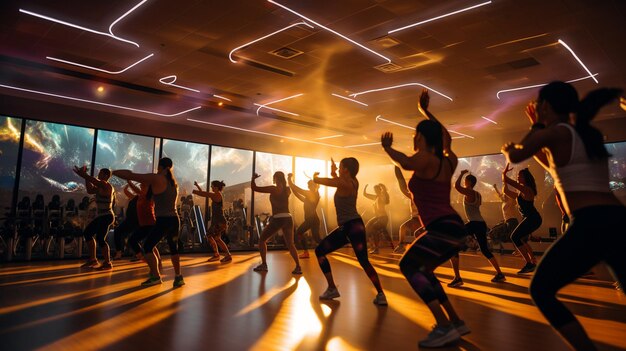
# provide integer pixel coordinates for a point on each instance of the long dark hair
(529, 179)
(279, 178)
(431, 131)
(564, 100)
(167, 164)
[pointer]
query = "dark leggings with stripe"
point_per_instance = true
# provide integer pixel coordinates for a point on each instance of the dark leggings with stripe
(352, 232)
(526, 227)
(444, 238)
(595, 234)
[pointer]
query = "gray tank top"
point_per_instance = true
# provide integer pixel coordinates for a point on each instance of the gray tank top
(104, 204)
(346, 208)
(472, 209)
(165, 202)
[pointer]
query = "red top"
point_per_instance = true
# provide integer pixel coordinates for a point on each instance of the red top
(432, 198)
(145, 211)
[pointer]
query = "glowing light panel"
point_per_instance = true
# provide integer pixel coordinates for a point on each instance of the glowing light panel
(439, 17)
(540, 85)
(230, 54)
(577, 59)
(99, 69)
(402, 86)
(347, 98)
(171, 81)
(330, 30)
(110, 34)
(98, 102)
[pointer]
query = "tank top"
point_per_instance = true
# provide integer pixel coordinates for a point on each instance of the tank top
(580, 173)
(280, 202)
(217, 211)
(345, 206)
(310, 207)
(472, 209)
(104, 204)
(165, 202)
(508, 207)
(526, 208)
(145, 211)
(432, 198)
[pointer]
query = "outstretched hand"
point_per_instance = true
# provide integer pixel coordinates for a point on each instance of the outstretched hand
(424, 100)
(81, 171)
(507, 169)
(531, 112)
(255, 176)
(464, 171)
(316, 175)
(386, 140)
(506, 148)
(333, 166)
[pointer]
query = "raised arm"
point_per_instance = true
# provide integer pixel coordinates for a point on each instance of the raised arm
(91, 183)
(397, 157)
(127, 191)
(506, 180)
(460, 188)
(133, 187)
(422, 107)
(402, 182)
(147, 178)
(367, 195)
(271, 189)
(297, 191)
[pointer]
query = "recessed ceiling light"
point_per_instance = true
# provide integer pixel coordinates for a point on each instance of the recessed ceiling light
(220, 104)
(96, 68)
(97, 102)
(100, 89)
(109, 34)
(330, 30)
(577, 59)
(540, 85)
(230, 54)
(402, 86)
(169, 80)
(439, 17)
(347, 98)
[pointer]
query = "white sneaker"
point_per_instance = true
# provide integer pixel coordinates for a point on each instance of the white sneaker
(380, 299)
(330, 294)
(441, 336)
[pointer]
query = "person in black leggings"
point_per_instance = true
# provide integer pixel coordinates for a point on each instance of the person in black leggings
(378, 225)
(311, 222)
(130, 223)
(578, 160)
(531, 219)
(351, 228)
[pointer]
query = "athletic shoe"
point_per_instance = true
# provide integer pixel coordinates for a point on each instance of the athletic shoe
(498, 278)
(441, 336)
(373, 251)
(455, 283)
(380, 299)
(528, 268)
(305, 254)
(226, 259)
(89, 264)
(214, 258)
(152, 280)
(178, 281)
(330, 294)
(260, 268)
(399, 249)
(106, 266)
(461, 327)
(297, 270)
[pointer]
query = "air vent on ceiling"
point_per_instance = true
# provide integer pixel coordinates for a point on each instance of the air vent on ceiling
(385, 42)
(388, 67)
(286, 53)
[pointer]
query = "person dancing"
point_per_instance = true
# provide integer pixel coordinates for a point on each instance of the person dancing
(351, 228)
(218, 221)
(164, 191)
(475, 226)
(378, 224)
(146, 220)
(311, 222)
(281, 219)
(413, 225)
(577, 159)
(129, 224)
(100, 225)
(432, 164)
(531, 219)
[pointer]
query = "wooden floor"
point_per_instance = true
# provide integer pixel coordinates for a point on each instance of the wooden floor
(58, 306)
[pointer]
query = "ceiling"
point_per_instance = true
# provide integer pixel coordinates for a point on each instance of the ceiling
(468, 57)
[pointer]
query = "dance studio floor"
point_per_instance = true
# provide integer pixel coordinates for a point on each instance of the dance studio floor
(58, 306)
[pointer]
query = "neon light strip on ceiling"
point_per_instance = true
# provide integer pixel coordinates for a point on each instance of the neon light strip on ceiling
(329, 137)
(489, 119)
(577, 59)
(402, 86)
(380, 118)
(230, 55)
(330, 30)
(540, 85)
(110, 34)
(221, 97)
(439, 17)
(276, 101)
(99, 69)
(465, 135)
(347, 98)
(97, 102)
(360, 145)
(171, 83)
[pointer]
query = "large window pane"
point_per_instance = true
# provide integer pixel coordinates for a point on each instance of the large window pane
(234, 167)
(266, 166)
(123, 151)
(617, 169)
(10, 132)
(50, 152)
(191, 162)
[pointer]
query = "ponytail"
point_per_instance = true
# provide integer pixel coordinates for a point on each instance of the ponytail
(529, 180)
(586, 111)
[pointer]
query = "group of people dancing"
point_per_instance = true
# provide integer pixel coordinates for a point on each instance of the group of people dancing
(561, 139)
